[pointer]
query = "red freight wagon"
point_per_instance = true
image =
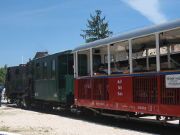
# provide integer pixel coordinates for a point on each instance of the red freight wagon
(134, 74)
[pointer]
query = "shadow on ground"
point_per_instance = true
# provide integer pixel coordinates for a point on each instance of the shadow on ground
(140, 126)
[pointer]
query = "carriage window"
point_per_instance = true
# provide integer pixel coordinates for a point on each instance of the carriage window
(144, 54)
(70, 65)
(100, 61)
(37, 70)
(44, 70)
(119, 61)
(169, 50)
(53, 68)
(17, 71)
(84, 63)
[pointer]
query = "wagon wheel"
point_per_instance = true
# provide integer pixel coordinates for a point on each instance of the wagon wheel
(25, 103)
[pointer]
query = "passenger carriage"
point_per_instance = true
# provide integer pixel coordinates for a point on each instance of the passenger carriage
(133, 73)
(53, 81)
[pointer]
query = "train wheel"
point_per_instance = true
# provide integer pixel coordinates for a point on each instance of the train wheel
(25, 103)
(158, 117)
(12, 101)
(18, 103)
(47, 107)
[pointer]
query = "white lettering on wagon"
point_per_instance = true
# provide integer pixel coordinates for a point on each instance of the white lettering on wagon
(173, 81)
(119, 88)
(36, 94)
(142, 108)
(55, 95)
(100, 104)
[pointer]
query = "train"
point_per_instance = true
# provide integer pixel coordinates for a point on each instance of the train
(131, 75)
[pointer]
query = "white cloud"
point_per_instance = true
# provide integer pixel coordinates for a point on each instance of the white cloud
(148, 8)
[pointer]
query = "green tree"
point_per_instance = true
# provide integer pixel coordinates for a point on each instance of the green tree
(3, 74)
(97, 28)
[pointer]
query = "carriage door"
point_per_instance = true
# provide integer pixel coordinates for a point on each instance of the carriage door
(63, 71)
(66, 78)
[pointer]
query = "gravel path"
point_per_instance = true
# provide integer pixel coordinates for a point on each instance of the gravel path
(35, 123)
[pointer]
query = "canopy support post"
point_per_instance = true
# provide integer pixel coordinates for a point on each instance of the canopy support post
(130, 56)
(76, 64)
(109, 59)
(91, 62)
(168, 56)
(147, 59)
(157, 53)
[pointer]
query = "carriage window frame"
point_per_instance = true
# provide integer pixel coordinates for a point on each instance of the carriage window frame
(138, 56)
(45, 70)
(119, 65)
(37, 70)
(79, 71)
(53, 69)
(99, 66)
(171, 62)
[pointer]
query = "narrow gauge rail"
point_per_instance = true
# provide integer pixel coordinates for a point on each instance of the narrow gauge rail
(131, 75)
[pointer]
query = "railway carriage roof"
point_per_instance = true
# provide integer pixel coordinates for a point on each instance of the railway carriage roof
(54, 55)
(132, 34)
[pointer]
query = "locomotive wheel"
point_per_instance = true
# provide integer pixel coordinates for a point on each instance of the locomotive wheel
(25, 104)
(18, 103)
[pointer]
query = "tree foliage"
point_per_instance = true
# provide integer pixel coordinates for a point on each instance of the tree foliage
(3, 74)
(97, 28)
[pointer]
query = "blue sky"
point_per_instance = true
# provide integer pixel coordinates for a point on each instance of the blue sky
(28, 26)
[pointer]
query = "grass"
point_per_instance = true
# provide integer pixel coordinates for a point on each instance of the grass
(7, 129)
(4, 128)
